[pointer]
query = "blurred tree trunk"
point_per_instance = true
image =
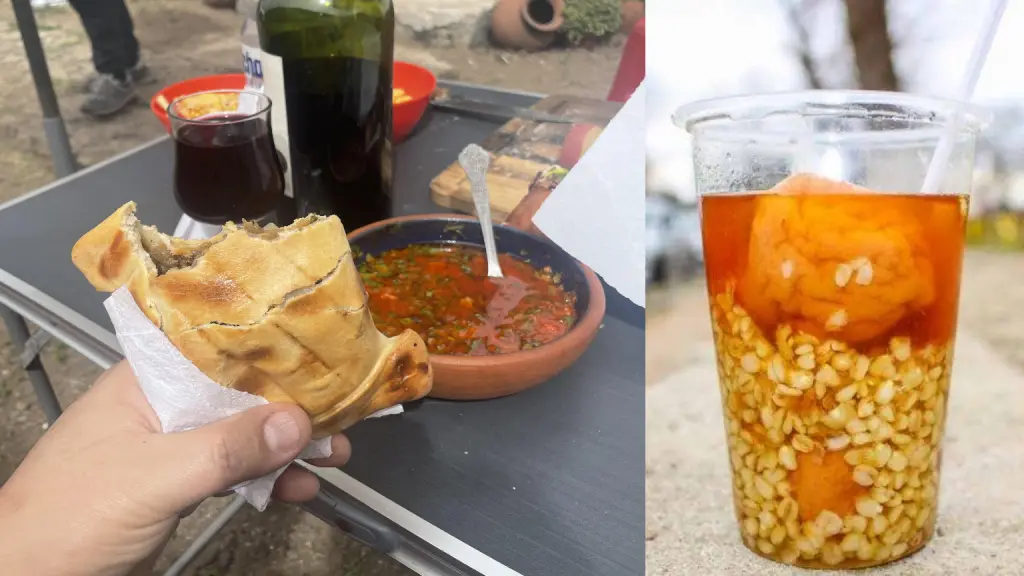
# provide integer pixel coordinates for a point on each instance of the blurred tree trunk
(795, 11)
(872, 47)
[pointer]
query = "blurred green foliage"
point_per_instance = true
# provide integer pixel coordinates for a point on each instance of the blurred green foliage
(589, 20)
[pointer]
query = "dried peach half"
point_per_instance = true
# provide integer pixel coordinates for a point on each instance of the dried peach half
(834, 261)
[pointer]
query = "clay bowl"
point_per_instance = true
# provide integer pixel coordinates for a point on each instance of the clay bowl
(484, 377)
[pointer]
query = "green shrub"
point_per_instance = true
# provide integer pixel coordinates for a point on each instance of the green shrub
(591, 19)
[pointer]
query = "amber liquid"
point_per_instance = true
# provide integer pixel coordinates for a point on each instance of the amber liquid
(834, 311)
(914, 244)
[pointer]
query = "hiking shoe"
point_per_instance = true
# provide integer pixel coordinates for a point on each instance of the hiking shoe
(137, 74)
(109, 96)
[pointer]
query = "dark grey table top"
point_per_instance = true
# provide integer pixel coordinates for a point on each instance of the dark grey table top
(547, 482)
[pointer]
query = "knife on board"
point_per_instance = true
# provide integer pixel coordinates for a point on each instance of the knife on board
(442, 100)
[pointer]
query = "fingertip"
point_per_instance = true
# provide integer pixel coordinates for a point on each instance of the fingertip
(286, 430)
(300, 416)
(341, 448)
(296, 485)
(248, 445)
(341, 451)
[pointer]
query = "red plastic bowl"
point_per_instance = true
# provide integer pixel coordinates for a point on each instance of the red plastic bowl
(418, 83)
(162, 99)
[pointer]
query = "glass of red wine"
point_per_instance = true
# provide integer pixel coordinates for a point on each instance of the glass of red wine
(225, 164)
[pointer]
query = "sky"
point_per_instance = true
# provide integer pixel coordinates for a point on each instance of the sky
(705, 49)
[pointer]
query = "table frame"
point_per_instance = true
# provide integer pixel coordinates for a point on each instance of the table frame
(343, 501)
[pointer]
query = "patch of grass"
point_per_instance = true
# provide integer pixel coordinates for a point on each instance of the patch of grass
(63, 84)
(591, 20)
(60, 352)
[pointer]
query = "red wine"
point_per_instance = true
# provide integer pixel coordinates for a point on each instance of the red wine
(329, 73)
(227, 169)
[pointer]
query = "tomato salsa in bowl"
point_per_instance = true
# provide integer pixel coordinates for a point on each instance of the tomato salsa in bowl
(487, 337)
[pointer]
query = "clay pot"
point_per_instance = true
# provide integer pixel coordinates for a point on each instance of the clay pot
(632, 12)
(492, 376)
(526, 24)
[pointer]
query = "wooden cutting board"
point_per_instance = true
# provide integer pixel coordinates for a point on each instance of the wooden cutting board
(519, 151)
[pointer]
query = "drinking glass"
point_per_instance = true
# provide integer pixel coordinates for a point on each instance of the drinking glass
(833, 289)
(225, 164)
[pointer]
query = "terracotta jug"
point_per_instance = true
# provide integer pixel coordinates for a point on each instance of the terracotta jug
(526, 24)
(632, 12)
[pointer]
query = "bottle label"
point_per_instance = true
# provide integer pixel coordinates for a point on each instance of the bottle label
(272, 73)
(252, 66)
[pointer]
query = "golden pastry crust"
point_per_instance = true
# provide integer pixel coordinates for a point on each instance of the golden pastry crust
(276, 312)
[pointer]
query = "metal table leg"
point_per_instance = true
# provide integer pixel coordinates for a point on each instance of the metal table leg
(53, 125)
(28, 348)
(203, 539)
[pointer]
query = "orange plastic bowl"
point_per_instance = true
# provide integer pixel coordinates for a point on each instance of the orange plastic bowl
(162, 99)
(418, 83)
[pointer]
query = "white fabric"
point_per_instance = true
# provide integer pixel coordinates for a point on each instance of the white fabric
(596, 214)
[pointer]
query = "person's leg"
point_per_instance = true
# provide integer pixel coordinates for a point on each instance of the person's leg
(111, 34)
(115, 53)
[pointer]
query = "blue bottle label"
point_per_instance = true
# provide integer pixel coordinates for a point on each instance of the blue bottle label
(252, 66)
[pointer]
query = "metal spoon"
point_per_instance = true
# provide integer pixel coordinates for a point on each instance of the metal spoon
(475, 161)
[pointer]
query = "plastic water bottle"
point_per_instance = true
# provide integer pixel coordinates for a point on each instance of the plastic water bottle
(252, 64)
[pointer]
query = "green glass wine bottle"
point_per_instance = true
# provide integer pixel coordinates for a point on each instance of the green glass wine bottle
(327, 68)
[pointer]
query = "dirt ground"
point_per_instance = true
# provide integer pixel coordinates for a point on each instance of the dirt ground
(677, 316)
(183, 39)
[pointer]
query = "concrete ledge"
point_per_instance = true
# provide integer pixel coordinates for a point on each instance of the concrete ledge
(443, 23)
(421, 57)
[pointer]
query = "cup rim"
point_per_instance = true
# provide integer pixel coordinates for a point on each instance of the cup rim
(265, 105)
(704, 116)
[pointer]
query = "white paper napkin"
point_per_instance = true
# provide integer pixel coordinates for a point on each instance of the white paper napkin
(596, 213)
(189, 229)
(181, 395)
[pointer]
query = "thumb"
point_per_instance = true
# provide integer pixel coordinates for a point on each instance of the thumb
(202, 462)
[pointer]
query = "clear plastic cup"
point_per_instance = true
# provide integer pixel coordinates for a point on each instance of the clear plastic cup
(834, 288)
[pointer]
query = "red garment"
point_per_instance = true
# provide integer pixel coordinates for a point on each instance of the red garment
(627, 79)
(632, 65)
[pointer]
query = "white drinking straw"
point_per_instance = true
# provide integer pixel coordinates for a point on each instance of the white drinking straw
(937, 168)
